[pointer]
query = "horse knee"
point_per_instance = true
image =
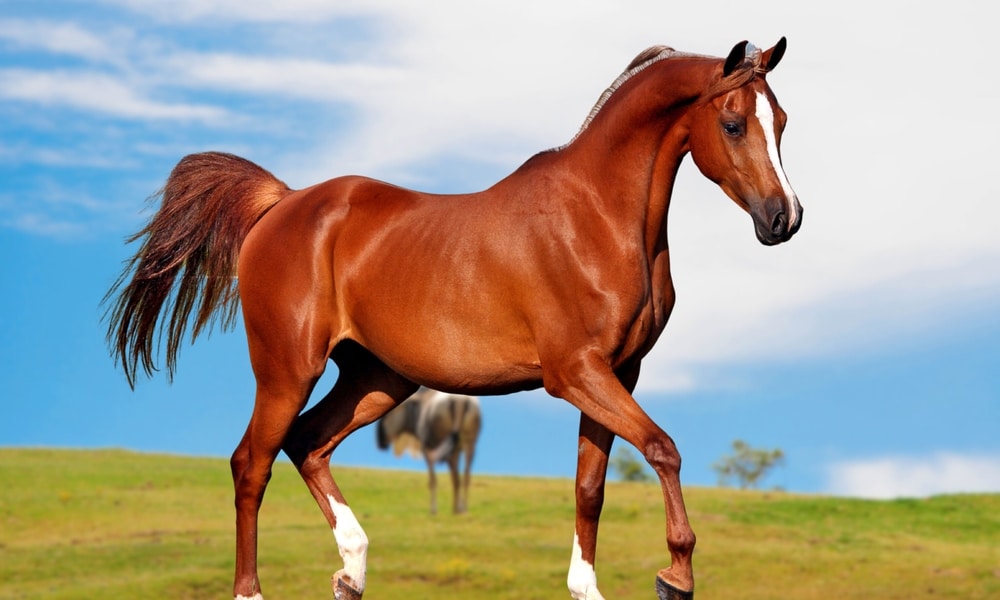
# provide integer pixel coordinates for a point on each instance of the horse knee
(249, 487)
(590, 498)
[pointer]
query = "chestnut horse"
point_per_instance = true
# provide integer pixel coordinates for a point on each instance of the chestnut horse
(558, 276)
(440, 428)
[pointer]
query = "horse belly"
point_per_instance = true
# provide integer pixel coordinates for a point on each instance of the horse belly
(447, 345)
(440, 320)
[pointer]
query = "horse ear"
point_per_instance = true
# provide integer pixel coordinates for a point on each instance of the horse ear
(736, 56)
(773, 56)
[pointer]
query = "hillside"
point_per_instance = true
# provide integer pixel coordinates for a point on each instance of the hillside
(116, 524)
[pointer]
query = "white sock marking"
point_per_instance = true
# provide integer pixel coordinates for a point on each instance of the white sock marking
(766, 117)
(582, 579)
(351, 542)
(256, 596)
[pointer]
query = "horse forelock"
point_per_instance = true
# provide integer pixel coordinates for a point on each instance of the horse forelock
(748, 70)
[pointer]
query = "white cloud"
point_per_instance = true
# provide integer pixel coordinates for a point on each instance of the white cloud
(912, 476)
(294, 78)
(288, 11)
(56, 37)
(99, 93)
(899, 221)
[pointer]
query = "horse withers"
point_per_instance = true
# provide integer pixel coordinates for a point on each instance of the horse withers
(558, 276)
(440, 428)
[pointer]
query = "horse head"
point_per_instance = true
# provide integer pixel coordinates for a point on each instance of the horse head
(735, 139)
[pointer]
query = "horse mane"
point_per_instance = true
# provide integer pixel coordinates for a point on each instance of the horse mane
(639, 63)
(744, 73)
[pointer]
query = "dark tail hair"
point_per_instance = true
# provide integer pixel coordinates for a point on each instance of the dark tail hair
(187, 261)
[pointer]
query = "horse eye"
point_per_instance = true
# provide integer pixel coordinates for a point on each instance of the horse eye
(732, 128)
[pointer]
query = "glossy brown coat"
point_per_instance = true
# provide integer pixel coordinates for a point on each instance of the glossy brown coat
(557, 276)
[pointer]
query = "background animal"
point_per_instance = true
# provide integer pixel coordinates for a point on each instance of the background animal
(439, 427)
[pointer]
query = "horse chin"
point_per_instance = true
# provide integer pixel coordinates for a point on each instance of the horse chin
(768, 238)
(764, 235)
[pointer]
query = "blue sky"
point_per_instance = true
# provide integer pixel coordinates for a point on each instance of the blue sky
(866, 348)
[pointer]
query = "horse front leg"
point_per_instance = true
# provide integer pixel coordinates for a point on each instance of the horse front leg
(591, 473)
(589, 384)
(470, 451)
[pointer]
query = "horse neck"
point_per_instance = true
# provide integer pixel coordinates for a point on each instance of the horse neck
(632, 149)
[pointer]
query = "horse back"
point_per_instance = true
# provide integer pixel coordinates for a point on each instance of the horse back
(427, 282)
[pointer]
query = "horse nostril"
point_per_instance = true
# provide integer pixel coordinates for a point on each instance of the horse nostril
(779, 224)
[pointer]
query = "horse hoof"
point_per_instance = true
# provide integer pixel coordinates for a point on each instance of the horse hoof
(343, 590)
(665, 591)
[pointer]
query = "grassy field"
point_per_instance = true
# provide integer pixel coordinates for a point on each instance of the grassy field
(114, 524)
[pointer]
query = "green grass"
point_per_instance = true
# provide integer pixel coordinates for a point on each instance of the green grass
(115, 524)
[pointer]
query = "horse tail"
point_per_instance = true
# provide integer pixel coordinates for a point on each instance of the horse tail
(187, 261)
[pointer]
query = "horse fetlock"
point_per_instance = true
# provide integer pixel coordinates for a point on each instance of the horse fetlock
(352, 543)
(681, 543)
(582, 579)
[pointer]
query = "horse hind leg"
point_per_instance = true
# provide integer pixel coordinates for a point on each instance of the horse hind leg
(431, 481)
(456, 484)
(463, 489)
(469, 437)
(251, 465)
(365, 390)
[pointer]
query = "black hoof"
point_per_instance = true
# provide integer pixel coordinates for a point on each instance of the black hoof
(665, 591)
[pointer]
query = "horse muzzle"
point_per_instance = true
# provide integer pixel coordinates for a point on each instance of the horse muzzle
(777, 222)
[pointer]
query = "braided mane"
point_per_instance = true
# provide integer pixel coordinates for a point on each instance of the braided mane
(746, 71)
(639, 63)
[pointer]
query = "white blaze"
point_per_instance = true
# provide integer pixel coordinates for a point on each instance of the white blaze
(765, 114)
(351, 542)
